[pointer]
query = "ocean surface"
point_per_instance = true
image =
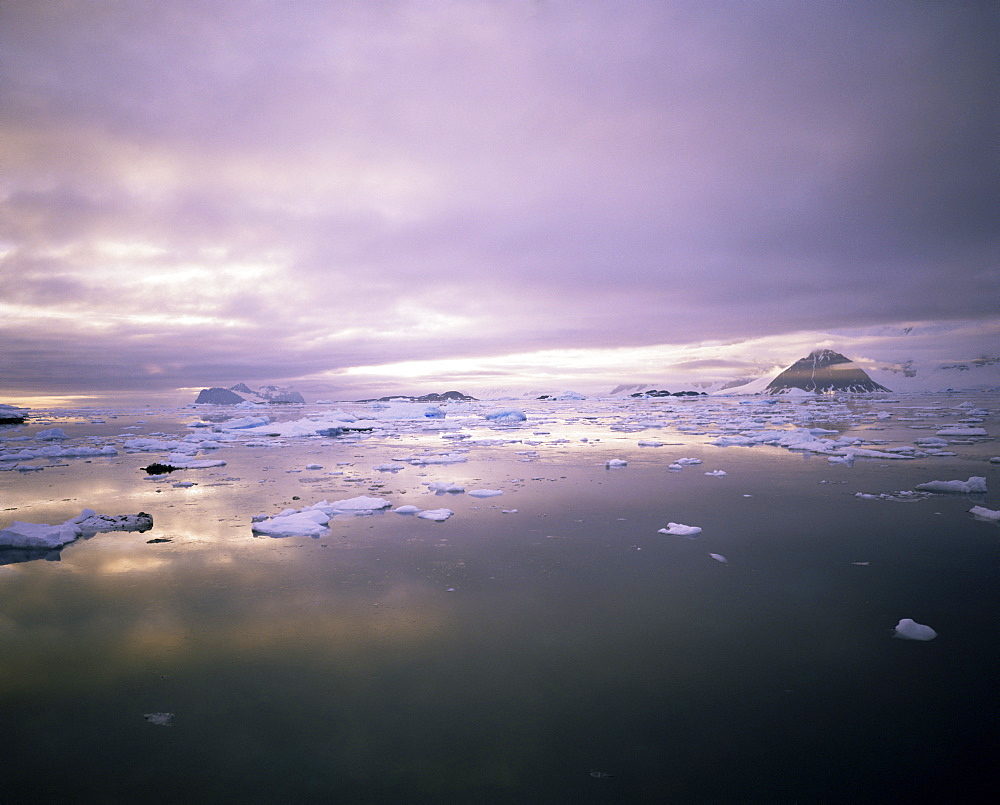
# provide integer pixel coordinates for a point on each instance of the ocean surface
(546, 645)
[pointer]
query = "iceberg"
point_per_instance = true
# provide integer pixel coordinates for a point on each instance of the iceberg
(911, 630)
(975, 484)
(985, 514)
(507, 416)
(439, 515)
(680, 530)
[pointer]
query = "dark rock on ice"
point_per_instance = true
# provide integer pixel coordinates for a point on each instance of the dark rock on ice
(159, 469)
(218, 396)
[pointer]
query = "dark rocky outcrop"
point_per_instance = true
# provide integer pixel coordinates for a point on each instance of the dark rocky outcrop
(218, 396)
(448, 395)
(824, 371)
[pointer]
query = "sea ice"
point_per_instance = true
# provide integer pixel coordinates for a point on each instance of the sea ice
(52, 434)
(717, 473)
(718, 557)
(961, 430)
(507, 416)
(485, 493)
(444, 487)
(439, 515)
(407, 509)
(911, 630)
(680, 530)
(40, 535)
(615, 463)
(975, 484)
(985, 514)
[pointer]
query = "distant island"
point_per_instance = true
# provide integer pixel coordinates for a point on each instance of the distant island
(824, 370)
(241, 393)
(448, 395)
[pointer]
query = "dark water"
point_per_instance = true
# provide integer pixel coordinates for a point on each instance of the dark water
(503, 657)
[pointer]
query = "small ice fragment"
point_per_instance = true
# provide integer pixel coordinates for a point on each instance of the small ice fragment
(406, 509)
(314, 466)
(680, 530)
(717, 473)
(911, 630)
(718, 557)
(615, 463)
(160, 719)
(50, 435)
(861, 564)
(439, 515)
(442, 487)
(508, 511)
(985, 514)
(485, 493)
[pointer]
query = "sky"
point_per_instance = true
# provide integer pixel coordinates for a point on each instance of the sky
(365, 198)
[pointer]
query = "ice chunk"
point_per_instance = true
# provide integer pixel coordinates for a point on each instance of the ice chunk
(355, 505)
(51, 435)
(717, 473)
(443, 487)
(985, 514)
(680, 530)
(961, 430)
(407, 510)
(615, 463)
(718, 557)
(160, 719)
(485, 493)
(439, 515)
(686, 462)
(507, 416)
(305, 523)
(389, 467)
(975, 484)
(911, 630)
(314, 466)
(38, 535)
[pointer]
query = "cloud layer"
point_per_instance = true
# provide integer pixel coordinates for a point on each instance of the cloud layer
(201, 193)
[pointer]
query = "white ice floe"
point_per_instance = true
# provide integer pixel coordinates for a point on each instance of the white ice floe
(311, 521)
(911, 630)
(389, 467)
(680, 530)
(182, 463)
(439, 515)
(507, 416)
(40, 535)
(649, 444)
(437, 458)
(445, 487)
(314, 466)
(986, 514)
(961, 430)
(50, 435)
(485, 493)
(244, 422)
(615, 463)
(718, 557)
(717, 473)
(975, 484)
(407, 509)
(686, 462)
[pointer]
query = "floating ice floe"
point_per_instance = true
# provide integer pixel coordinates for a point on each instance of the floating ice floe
(50, 435)
(314, 466)
(911, 630)
(615, 463)
(437, 458)
(444, 487)
(407, 509)
(389, 467)
(680, 530)
(40, 535)
(961, 430)
(975, 484)
(311, 521)
(507, 416)
(717, 473)
(440, 515)
(650, 444)
(485, 493)
(985, 514)
(160, 719)
(718, 557)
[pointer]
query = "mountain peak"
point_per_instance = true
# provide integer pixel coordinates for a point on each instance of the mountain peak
(824, 370)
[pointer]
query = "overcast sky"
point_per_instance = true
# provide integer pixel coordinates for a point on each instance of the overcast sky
(369, 197)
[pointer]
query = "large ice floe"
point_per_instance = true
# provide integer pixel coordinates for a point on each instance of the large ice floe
(42, 536)
(311, 521)
(975, 484)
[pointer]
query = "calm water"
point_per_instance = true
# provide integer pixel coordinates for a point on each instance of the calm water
(503, 656)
